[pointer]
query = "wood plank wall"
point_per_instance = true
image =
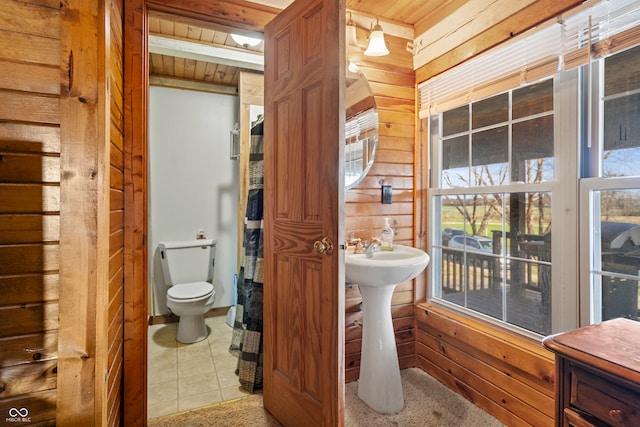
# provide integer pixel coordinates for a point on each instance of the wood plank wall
(88, 348)
(29, 206)
(393, 83)
(36, 38)
(115, 318)
(505, 374)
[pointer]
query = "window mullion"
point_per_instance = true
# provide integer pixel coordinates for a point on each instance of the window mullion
(564, 248)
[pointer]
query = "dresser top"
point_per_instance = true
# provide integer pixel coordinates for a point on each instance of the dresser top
(613, 346)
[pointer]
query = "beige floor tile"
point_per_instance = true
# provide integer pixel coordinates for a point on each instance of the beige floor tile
(163, 359)
(227, 378)
(218, 330)
(199, 400)
(216, 321)
(222, 340)
(222, 334)
(193, 347)
(157, 376)
(225, 362)
(218, 349)
(191, 355)
(163, 336)
(161, 409)
(162, 392)
(197, 384)
(187, 376)
(235, 392)
(194, 366)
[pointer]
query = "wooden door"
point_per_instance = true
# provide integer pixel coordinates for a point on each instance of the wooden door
(304, 203)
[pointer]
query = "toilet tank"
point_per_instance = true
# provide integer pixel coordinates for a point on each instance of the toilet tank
(187, 261)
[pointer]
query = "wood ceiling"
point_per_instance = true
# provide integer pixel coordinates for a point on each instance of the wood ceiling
(194, 67)
(430, 27)
(167, 65)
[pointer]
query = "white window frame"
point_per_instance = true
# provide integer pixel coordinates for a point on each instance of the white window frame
(590, 290)
(590, 32)
(590, 284)
(564, 200)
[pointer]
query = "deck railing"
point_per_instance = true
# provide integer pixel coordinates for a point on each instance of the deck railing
(527, 268)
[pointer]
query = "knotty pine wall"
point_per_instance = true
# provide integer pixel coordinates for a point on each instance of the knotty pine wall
(393, 83)
(507, 375)
(115, 295)
(61, 226)
(29, 206)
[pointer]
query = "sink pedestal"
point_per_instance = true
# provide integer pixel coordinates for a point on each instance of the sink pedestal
(379, 385)
(377, 274)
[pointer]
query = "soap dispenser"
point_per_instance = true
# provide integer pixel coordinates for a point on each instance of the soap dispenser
(386, 236)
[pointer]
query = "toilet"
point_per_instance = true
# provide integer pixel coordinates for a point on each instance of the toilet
(187, 267)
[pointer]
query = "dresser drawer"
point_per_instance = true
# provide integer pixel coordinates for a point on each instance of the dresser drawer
(607, 401)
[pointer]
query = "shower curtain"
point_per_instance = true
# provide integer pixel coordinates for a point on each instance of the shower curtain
(246, 342)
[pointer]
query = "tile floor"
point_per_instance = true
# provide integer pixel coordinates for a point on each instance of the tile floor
(187, 376)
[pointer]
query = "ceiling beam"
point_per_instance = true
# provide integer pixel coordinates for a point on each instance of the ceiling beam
(205, 52)
(173, 82)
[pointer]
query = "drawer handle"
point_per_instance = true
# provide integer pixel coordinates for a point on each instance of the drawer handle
(616, 415)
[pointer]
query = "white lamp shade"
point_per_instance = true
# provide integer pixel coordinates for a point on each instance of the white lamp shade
(246, 41)
(377, 46)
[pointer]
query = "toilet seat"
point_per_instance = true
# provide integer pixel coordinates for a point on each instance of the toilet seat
(189, 291)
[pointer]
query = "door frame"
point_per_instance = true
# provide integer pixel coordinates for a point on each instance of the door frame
(250, 17)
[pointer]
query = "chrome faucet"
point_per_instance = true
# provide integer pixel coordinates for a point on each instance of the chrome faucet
(372, 247)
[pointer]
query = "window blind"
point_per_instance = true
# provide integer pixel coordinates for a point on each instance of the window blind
(361, 126)
(599, 30)
(524, 61)
(594, 31)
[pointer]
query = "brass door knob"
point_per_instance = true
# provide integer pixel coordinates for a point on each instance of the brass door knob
(324, 246)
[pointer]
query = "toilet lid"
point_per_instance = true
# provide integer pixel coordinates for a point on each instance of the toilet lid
(190, 290)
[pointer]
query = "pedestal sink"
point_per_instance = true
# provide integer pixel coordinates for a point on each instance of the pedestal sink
(377, 275)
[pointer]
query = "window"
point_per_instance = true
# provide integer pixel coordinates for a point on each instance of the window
(535, 176)
(499, 264)
(611, 191)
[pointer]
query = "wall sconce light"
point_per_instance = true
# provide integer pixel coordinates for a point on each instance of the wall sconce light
(353, 49)
(377, 46)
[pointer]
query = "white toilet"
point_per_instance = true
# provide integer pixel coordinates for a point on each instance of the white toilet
(187, 267)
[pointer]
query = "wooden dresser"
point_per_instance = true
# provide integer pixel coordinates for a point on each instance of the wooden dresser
(598, 374)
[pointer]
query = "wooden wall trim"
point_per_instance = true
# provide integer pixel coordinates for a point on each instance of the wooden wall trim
(421, 197)
(135, 215)
(83, 199)
(250, 92)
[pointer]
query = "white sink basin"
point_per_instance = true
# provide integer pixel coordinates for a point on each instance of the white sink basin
(385, 267)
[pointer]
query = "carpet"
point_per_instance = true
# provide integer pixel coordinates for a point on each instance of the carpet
(428, 403)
